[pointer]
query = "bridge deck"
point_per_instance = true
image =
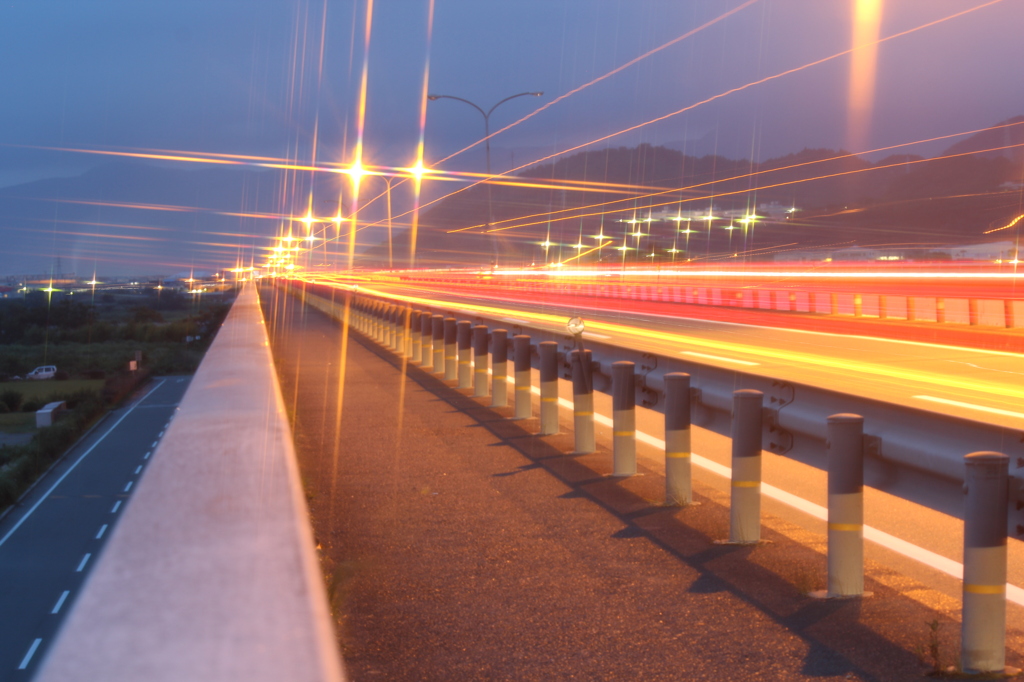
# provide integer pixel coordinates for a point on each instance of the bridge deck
(462, 547)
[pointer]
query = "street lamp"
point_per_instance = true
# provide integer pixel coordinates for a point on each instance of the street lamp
(486, 115)
(487, 139)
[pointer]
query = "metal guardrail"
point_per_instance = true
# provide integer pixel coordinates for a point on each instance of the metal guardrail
(795, 414)
(211, 572)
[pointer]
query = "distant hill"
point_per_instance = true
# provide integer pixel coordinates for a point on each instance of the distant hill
(842, 199)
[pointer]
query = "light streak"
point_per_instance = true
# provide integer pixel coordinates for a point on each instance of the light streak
(867, 24)
(1008, 226)
(676, 340)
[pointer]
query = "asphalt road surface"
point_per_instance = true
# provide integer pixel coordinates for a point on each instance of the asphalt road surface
(53, 537)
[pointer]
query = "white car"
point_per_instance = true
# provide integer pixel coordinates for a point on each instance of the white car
(44, 372)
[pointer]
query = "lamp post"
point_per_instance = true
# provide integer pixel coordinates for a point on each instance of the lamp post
(487, 136)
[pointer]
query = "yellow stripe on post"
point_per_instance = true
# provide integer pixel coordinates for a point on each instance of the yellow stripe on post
(846, 526)
(677, 454)
(746, 484)
(985, 589)
(624, 433)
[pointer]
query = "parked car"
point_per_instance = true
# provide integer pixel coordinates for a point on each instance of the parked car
(44, 372)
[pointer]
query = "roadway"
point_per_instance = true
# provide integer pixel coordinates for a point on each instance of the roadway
(972, 383)
(53, 537)
(460, 544)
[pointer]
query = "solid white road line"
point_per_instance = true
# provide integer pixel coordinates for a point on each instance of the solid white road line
(60, 602)
(971, 406)
(77, 462)
(719, 358)
(31, 650)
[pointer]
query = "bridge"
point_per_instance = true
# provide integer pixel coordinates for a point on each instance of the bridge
(214, 570)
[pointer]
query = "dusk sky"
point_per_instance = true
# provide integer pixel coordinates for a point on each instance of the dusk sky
(244, 77)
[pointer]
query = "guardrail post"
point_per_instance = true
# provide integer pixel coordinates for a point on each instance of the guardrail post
(972, 312)
(426, 334)
(858, 305)
(451, 366)
(845, 450)
(745, 503)
(464, 343)
(623, 418)
(940, 310)
(521, 350)
(398, 342)
(983, 625)
(911, 309)
(499, 368)
(678, 478)
(374, 321)
(548, 388)
(408, 331)
(415, 337)
(480, 361)
(582, 404)
(389, 326)
(437, 326)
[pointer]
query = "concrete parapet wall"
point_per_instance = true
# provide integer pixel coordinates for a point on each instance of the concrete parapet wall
(211, 573)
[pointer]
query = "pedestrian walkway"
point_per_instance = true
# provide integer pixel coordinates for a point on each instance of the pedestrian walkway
(460, 546)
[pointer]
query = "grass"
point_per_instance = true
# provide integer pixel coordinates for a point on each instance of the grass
(44, 390)
(18, 422)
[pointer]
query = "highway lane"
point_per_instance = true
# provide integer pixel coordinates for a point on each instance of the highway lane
(51, 540)
(977, 384)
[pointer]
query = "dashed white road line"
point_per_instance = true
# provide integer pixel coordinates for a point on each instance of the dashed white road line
(128, 487)
(60, 602)
(103, 529)
(31, 651)
(77, 462)
(146, 456)
(138, 470)
(82, 563)
(154, 444)
(117, 505)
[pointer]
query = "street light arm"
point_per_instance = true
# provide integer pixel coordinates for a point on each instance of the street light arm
(521, 94)
(482, 112)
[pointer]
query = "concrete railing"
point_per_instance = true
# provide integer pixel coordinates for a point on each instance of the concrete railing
(211, 573)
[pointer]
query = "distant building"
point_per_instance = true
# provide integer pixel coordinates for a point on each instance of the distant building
(990, 251)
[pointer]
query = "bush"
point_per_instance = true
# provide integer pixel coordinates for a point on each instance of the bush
(61, 375)
(11, 399)
(32, 405)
